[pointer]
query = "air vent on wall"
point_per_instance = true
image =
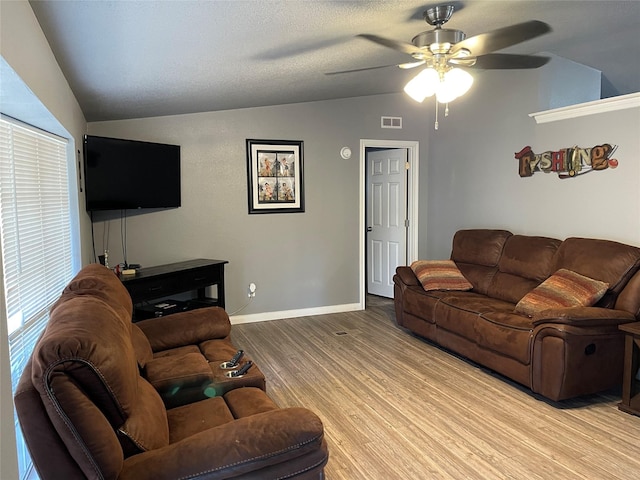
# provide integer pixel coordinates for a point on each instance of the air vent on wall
(391, 122)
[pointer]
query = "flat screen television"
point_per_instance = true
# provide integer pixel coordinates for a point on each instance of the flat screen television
(129, 174)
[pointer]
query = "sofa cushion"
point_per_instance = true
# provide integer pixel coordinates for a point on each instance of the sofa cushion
(170, 374)
(562, 289)
(479, 247)
(604, 260)
(458, 312)
(477, 252)
(98, 281)
(440, 275)
(528, 257)
(197, 326)
(525, 262)
(629, 298)
(505, 333)
(187, 420)
(177, 352)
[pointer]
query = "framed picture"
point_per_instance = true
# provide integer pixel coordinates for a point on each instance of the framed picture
(275, 176)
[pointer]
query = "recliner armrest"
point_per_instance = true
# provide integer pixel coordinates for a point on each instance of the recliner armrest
(584, 317)
(250, 444)
(406, 276)
(186, 328)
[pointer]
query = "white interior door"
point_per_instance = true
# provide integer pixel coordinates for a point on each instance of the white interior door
(386, 214)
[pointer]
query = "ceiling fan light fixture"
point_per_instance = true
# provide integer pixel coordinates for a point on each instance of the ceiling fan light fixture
(423, 85)
(446, 87)
(455, 83)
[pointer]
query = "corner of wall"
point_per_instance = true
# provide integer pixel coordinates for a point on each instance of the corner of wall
(564, 82)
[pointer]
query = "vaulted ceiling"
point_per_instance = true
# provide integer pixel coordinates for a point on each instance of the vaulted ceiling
(129, 59)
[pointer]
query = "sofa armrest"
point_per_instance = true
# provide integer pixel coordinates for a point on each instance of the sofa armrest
(584, 317)
(406, 276)
(240, 447)
(186, 328)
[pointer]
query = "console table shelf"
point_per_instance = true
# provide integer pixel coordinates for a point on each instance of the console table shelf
(151, 283)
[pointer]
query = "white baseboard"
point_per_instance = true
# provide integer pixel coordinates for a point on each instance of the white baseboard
(304, 312)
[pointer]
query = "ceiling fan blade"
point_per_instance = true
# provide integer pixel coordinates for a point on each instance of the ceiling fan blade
(505, 61)
(406, 66)
(502, 37)
(360, 69)
(404, 47)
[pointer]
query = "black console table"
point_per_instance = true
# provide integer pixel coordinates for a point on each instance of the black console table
(152, 283)
(631, 379)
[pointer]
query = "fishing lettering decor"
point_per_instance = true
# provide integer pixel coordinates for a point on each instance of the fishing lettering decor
(566, 162)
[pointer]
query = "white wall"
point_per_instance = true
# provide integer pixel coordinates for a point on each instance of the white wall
(602, 204)
(468, 179)
(298, 261)
(473, 174)
(34, 90)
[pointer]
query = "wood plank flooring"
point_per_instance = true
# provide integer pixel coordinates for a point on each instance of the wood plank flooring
(397, 407)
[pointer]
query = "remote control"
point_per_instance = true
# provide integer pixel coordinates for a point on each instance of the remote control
(244, 369)
(236, 358)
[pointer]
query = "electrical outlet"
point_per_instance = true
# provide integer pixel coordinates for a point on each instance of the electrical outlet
(252, 290)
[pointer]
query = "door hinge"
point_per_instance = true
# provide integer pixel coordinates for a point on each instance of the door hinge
(406, 223)
(407, 165)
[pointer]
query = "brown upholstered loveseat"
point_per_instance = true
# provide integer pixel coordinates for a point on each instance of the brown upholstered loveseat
(87, 411)
(558, 353)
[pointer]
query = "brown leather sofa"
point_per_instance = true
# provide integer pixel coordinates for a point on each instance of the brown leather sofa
(558, 353)
(87, 411)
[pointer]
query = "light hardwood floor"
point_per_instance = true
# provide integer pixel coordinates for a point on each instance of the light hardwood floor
(397, 407)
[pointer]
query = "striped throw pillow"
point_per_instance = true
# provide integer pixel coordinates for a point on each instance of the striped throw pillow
(440, 275)
(562, 289)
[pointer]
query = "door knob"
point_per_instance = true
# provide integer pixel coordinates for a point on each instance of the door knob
(369, 229)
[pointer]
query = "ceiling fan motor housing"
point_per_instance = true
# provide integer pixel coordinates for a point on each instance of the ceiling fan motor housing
(439, 35)
(438, 15)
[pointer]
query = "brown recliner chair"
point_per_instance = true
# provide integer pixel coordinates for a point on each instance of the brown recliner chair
(86, 412)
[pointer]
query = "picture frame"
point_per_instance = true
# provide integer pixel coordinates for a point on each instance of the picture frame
(275, 176)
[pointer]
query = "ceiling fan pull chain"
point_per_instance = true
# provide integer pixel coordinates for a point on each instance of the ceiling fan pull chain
(436, 124)
(446, 109)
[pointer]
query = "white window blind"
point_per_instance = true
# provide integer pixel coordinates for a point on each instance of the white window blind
(35, 234)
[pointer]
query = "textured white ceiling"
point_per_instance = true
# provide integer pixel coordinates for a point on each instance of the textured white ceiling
(129, 59)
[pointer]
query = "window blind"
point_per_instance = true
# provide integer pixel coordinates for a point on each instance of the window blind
(35, 234)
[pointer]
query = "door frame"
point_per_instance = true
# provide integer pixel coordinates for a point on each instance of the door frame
(413, 177)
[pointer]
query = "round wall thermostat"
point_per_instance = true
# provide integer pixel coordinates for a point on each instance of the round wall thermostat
(345, 153)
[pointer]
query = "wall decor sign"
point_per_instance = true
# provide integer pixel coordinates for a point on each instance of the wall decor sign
(566, 162)
(275, 176)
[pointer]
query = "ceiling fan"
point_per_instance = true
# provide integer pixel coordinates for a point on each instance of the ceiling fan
(446, 52)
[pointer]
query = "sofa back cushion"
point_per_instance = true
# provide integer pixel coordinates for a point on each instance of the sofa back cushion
(477, 252)
(141, 346)
(525, 262)
(629, 298)
(98, 281)
(610, 262)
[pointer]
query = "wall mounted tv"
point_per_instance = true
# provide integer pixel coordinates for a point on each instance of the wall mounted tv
(128, 174)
